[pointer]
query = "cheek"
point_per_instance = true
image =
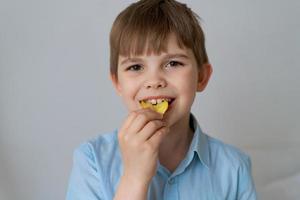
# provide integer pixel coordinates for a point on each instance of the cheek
(188, 87)
(129, 88)
(189, 83)
(129, 95)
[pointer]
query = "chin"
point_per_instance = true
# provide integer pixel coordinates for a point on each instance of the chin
(172, 118)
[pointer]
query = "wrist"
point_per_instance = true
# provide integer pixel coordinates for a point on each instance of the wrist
(136, 181)
(131, 189)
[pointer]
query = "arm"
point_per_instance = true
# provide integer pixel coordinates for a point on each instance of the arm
(139, 139)
(131, 190)
(246, 188)
(84, 181)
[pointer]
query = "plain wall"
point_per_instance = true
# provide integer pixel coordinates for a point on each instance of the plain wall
(55, 91)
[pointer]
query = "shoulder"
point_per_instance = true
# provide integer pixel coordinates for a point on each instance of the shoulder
(94, 163)
(101, 142)
(233, 168)
(223, 154)
(99, 149)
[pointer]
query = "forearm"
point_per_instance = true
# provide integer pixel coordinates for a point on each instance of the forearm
(139, 138)
(129, 189)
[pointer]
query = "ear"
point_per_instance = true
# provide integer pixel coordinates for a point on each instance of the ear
(116, 84)
(204, 76)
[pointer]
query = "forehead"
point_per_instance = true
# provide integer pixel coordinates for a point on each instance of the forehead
(171, 50)
(170, 46)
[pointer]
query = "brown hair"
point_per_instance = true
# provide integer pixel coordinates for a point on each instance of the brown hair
(144, 26)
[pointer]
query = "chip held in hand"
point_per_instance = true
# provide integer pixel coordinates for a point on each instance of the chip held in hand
(159, 107)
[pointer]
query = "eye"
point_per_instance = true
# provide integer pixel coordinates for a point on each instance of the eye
(134, 68)
(174, 64)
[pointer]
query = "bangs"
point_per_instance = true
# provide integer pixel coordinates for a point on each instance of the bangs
(146, 38)
(146, 27)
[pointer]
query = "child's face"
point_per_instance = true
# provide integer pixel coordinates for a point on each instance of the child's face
(172, 74)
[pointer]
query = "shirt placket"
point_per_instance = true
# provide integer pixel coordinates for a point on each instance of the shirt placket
(171, 189)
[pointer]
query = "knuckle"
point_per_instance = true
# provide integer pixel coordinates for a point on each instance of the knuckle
(154, 124)
(132, 114)
(157, 123)
(124, 138)
(161, 131)
(142, 117)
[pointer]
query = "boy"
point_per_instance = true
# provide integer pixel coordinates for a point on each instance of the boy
(158, 63)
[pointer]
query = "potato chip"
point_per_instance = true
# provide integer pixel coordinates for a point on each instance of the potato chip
(160, 107)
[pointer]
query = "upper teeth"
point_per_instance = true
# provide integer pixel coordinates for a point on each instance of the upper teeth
(156, 101)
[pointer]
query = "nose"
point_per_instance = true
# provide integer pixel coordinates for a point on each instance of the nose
(155, 83)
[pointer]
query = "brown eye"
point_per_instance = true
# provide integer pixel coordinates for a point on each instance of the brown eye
(174, 64)
(134, 68)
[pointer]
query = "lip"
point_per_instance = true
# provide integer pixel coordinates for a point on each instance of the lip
(157, 97)
(161, 97)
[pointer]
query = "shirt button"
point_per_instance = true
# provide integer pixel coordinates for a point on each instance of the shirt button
(171, 181)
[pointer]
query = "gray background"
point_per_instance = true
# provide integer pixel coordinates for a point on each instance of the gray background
(55, 91)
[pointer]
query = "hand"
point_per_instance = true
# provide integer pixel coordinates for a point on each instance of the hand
(139, 139)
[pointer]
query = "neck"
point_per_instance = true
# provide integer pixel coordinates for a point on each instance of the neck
(176, 144)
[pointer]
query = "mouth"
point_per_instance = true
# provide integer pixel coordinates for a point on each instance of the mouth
(158, 100)
(158, 104)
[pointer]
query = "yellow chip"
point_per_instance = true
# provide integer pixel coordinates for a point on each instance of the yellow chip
(160, 107)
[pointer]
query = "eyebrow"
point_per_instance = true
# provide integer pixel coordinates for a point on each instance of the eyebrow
(168, 56)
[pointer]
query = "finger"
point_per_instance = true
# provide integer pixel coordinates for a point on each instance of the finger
(149, 129)
(146, 110)
(143, 117)
(129, 119)
(158, 137)
(127, 122)
(131, 116)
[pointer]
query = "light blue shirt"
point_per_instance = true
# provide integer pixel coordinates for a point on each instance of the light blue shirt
(211, 170)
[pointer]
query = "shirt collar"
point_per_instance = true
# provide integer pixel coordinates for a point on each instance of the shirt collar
(199, 142)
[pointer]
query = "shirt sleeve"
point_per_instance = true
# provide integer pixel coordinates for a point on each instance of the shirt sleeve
(246, 188)
(84, 183)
